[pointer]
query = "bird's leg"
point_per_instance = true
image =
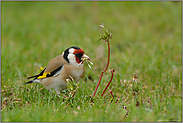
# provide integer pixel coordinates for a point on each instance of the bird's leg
(57, 91)
(51, 91)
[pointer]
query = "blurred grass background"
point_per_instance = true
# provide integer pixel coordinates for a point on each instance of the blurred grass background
(146, 40)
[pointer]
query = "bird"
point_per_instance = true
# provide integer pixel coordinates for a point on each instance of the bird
(68, 65)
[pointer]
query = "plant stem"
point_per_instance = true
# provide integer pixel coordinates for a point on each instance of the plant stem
(112, 71)
(110, 93)
(104, 69)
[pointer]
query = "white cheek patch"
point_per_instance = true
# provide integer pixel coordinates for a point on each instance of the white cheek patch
(72, 59)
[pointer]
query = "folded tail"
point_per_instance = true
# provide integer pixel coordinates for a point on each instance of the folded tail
(29, 82)
(34, 76)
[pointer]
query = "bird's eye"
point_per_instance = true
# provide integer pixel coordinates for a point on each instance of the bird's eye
(78, 55)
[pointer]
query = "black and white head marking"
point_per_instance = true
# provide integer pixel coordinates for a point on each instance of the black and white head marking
(70, 55)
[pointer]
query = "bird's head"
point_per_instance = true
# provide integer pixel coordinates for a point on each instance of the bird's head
(75, 55)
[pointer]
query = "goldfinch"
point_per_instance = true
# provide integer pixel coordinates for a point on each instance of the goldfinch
(68, 65)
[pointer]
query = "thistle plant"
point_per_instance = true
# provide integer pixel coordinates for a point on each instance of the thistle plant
(105, 35)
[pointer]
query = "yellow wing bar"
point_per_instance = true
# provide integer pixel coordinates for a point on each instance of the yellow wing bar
(43, 76)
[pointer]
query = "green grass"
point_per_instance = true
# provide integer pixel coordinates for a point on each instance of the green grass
(146, 40)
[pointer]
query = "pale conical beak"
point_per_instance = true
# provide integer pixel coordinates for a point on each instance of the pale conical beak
(85, 57)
